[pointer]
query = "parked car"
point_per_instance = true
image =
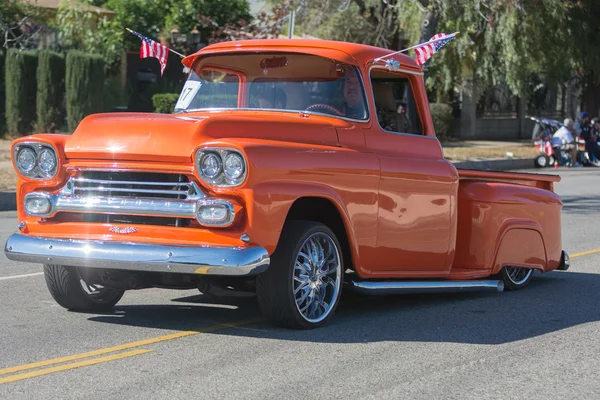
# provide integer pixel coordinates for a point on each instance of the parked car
(292, 168)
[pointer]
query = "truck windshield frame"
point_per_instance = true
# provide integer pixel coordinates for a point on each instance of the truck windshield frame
(275, 81)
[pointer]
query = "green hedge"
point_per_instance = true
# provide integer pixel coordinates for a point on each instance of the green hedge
(85, 86)
(50, 91)
(2, 95)
(164, 103)
(21, 88)
(441, 114)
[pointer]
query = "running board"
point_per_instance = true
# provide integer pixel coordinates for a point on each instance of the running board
(400, 287)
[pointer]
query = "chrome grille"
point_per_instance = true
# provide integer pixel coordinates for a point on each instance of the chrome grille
(151, 198)
(132, 184)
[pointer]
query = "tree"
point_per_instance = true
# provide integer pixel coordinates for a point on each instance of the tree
(382, 23)
(144, 16)
(265, 26)
(19, 24)
(84, 30)
(152, 18)
(584, 28)
(501, 41)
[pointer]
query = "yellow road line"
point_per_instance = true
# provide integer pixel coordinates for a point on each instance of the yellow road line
(125, 346)
(46, 371)
(584, 253)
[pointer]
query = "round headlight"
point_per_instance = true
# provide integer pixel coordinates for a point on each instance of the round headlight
(233, 166)
(47, 162)
(26, 160)
(210, 165)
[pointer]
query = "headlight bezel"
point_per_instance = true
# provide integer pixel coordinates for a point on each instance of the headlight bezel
(201, 167)
(52, 172)
(222, 179)
(38, 148)
(225, 168)
(19, 164)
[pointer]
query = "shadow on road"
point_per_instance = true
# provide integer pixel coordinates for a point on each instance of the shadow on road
(580, 204)
(554, 301)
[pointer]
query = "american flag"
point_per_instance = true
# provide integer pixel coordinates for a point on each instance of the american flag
(427, 49)
(150, 48)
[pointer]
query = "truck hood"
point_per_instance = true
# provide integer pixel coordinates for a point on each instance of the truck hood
(173, 138)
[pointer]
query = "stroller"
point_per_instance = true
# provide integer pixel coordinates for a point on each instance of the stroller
(542, 140)
(548, 155)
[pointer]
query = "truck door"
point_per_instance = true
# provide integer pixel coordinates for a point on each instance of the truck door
(416, 225)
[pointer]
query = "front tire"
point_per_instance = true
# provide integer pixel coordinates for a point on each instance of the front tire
(303, 285)
(515, 278)
(71, 292)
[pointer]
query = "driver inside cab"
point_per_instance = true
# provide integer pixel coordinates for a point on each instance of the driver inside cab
(272, 98)
(353, 94)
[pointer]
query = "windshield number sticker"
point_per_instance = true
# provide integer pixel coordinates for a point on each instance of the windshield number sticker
(187, 94)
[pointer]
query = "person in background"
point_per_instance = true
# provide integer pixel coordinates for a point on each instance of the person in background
(587, 133)
(563, 139)
(596, 129)
(582, 126)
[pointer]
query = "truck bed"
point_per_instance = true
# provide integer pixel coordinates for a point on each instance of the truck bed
(507, 219)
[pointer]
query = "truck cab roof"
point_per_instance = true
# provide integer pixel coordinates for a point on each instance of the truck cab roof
(351, 53)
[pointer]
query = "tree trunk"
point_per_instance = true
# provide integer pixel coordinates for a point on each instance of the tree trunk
(590, 99)
(428, 30)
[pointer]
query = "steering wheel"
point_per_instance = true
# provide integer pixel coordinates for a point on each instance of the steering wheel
(324, 108)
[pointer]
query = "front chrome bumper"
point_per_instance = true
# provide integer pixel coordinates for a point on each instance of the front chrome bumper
(141, 257)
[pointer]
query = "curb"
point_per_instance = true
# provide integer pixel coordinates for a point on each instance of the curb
(497, 165)
(8, 201)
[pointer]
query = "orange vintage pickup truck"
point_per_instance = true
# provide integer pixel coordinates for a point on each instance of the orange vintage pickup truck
(290, 168)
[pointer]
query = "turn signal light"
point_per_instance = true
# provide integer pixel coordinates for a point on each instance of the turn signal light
(37, 206)
(215, 213)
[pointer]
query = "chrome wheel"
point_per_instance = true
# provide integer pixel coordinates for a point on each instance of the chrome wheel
(518, 276)
(317, 277)
(92, 290)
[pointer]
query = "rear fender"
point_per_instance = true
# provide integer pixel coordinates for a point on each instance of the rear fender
(520, 244)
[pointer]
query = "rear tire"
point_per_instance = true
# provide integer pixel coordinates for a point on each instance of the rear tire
(515, 278)
(71, 292)
(302, 287)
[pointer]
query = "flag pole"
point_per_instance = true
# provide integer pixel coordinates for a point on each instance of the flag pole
(171, 50)
(415, 46)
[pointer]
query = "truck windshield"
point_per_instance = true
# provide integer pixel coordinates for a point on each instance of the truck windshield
(274, 81)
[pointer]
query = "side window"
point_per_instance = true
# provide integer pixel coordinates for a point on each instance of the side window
(395, 103)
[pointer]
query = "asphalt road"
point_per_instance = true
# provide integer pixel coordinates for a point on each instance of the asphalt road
(539, 343)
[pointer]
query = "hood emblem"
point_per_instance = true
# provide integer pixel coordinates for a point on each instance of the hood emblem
(123, 231)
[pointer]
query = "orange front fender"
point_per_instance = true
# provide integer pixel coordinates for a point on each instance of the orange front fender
(272, 202)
